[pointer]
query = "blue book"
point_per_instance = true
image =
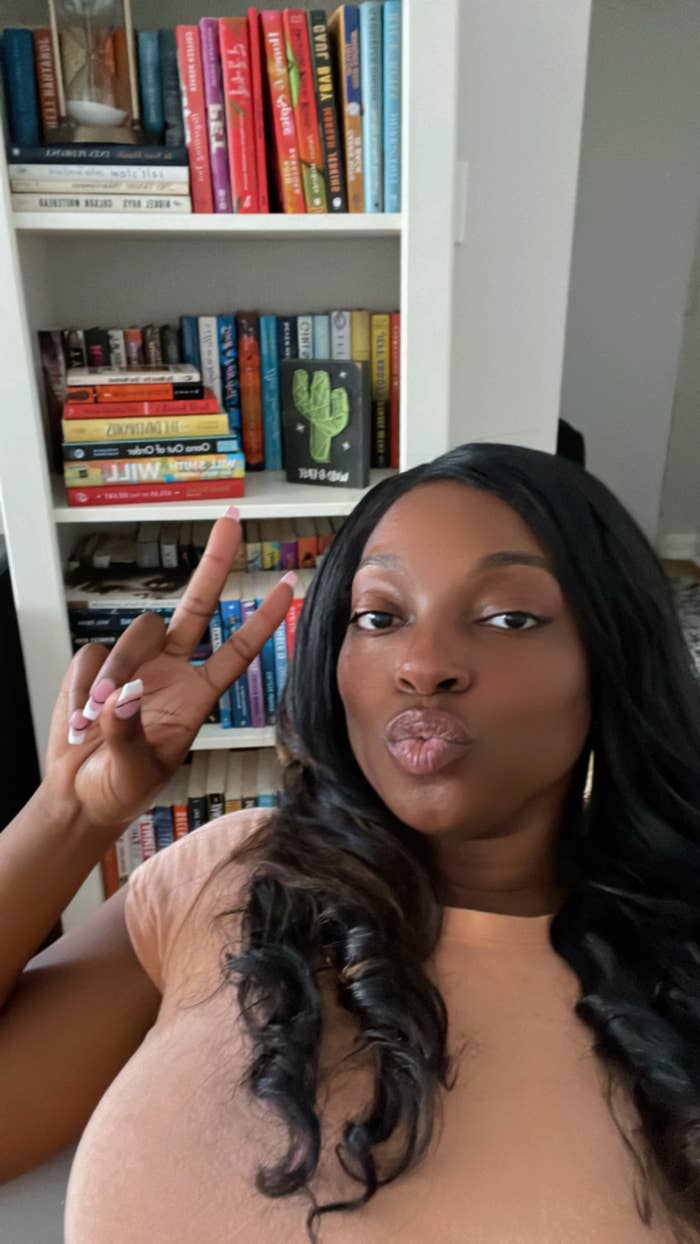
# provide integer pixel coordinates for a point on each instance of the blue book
(392, 105)
(149, 81)
(170, 89)
(163, 827)
(279, 640)
(270, 388)
(19, 76)
(216, 634)
(372, 104)
(230, 610)
(267, 659)
(230, 379)
(322, 336)
(189, 340)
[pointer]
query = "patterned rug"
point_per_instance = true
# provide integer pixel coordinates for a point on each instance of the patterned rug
(687, 593)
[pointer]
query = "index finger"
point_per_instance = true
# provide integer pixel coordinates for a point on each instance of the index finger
(201, 596)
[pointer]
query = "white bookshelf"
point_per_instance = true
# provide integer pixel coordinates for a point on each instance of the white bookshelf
(60, 270)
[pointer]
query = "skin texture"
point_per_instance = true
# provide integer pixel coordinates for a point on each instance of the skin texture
(442, 637)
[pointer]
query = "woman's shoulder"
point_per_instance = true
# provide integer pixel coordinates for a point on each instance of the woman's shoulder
(164, 891)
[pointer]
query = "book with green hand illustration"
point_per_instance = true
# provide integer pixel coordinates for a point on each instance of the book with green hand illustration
(326, 422)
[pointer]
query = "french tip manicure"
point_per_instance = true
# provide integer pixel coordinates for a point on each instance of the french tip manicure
(232, 512)
(91, 713)
(290, 577)
(75, 736)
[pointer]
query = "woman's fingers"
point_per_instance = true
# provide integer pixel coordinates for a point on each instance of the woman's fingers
(233, 658)
(200, 600)
(140, 642)
(83, 671)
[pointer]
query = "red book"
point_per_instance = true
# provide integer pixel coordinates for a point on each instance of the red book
(255, 49)
(148, 494)
(291, 190)
(303, 96)
(110, 872)
(395, 389)
(238, 102)
(250, 383)
(291, 619)
(133, 344)
(90, 394)
(189, 60)
(208, 405)
(46, 79)
(180, 822)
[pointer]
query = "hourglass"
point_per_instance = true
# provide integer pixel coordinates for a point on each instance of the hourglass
(93, 45)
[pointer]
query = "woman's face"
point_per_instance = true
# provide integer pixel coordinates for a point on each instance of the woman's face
(462, 674)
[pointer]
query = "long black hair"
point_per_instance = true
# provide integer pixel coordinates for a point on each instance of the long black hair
(339, 885)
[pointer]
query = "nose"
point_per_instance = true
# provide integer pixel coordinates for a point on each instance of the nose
(430, 663)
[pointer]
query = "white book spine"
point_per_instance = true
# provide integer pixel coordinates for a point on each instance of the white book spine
(341, 347)
(101, 203)
(305, 336)
(209, 354)
(104, 175)
(117, 348)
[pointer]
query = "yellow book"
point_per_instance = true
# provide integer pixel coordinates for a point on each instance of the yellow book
(152, 470)
(380, 388)
(150, 427)
(359, 336)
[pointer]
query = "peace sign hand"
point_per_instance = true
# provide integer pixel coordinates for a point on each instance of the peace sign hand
(144, 701)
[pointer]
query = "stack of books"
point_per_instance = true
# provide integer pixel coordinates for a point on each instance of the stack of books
(135, 435)
(208, 786)
(286, 110)
(80, 177)
(102, 603)
(238, 356)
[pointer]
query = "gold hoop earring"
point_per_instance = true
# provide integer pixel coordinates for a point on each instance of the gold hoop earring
(588, 788)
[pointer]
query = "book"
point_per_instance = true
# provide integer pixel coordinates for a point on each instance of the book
(53, 368)
(322, 336)
(147, 834)
(97, 347)
(294, 611)
(286, 336)
(305, 336)
(189, 340)
(254, 671)
(197, 791)
(259, 587)
(270, 544)
(147, 546)
(174, 373)
(178, 794)
(334, 171)
(288, 545)
(74, 341)
(168, 538)
(93, 154)
(99, 179)
(214, 105)
(288, 170)
(228, 365)
(150, 89)
(151, 345)
(340, 335)
(117, 349)
(230, 613)
(303, 98)
(146, 428)
(253, 544)
(20, 86)
(269, 778)
(149, 494)
(194, 116)
(133, 345)
(307, 543)
(207, 405)
(173, 128)
(216, 783)
(279, 646)
(326, 422)
(163, 824)
(380, 329)
(360, 336)
(395, 390)
(209, 354)
(101, 203)
(240, 121)
(114, 395)
(344, 33)
(371, 70)
(392, 105)
(173, 469)
(170, 344)
(216, 636)
(256, 73)
(270, 393)
(47, 86)
(249, 778)
(233, 801)
(251, 390)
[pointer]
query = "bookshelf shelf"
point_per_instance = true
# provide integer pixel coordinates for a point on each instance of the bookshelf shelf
(211, 737)
(267, 495)
(95, 224)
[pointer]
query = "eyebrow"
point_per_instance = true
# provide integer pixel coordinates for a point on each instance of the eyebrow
(490, 562)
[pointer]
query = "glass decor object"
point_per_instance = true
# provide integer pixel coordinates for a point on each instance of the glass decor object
(93, 48)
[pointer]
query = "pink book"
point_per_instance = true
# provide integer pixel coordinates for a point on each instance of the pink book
(189, 63)
(256, 70)
(238, 94)
(216, 121)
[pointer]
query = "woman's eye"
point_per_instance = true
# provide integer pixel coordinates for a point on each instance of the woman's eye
(372, 620)
(516, 620)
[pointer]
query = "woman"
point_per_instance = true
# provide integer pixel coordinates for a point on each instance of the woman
(444, 991)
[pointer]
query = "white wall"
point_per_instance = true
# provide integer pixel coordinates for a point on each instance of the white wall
(522, 67)
(637, 205)
(679, 520)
